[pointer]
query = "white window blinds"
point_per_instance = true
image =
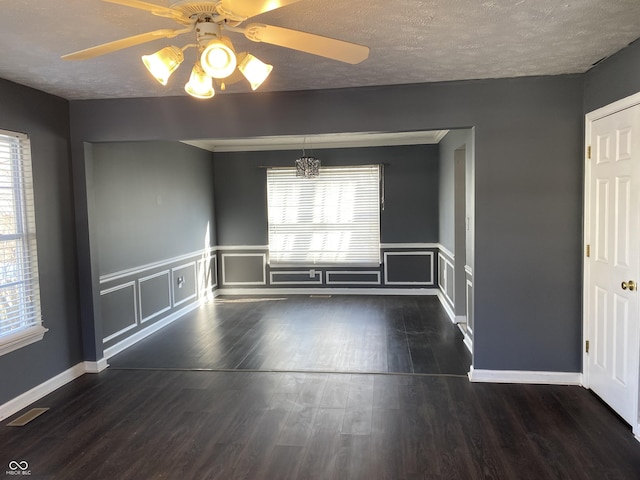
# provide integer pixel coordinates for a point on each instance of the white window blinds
(19, 290)
(332, 219)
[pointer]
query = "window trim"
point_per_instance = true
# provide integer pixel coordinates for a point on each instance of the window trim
(21, 338)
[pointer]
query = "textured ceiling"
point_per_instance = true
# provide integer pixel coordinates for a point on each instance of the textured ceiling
(411, 42)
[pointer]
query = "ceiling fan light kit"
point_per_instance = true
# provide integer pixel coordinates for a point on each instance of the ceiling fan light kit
(200, 85)
(253, 69)
(217, 58)
(163, 63)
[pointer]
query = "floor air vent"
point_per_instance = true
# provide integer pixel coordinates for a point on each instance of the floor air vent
(22, 420)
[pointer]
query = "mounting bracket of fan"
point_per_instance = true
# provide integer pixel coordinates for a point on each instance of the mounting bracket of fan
(215, 10)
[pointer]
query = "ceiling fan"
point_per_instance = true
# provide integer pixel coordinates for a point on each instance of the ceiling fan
(217, 58)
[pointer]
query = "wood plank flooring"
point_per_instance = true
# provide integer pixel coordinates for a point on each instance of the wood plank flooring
(151, 424)
(298, 333)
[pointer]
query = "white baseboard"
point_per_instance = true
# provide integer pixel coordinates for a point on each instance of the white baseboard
(468, 343)
(96, 367)
(327, 291)
(36, 393)
(154, 327)
(525, 376)
(446, 306)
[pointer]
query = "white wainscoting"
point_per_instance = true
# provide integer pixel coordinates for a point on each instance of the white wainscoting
(409, 253)
(136, 271)
(174, 280)
(131, 284)
(308, 280)
(224, 256)
(327, 291)
(445, 281)
(162, 310)
(203, 288)
(337, 273)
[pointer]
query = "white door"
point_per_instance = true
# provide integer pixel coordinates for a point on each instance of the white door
(613, 176)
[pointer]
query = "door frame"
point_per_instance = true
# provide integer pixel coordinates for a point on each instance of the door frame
(612, 108)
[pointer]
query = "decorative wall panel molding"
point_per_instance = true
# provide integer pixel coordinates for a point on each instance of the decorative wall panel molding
(327, 291)
(353, 277)
(187, 289)
(120, 307)
(469, 300)
(297, 277)
(221, 248)
(445, 251)
(411, 268)
(410, 246)
(139, 270)
(153, 300)
(207, 275)
(244, 269)
(446, 277)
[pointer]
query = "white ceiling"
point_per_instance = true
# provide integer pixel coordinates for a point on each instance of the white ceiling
(411, 42)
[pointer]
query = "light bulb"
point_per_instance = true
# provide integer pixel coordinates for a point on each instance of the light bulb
(254, 70)
(163, 63)
(218, 58)
(200, 85)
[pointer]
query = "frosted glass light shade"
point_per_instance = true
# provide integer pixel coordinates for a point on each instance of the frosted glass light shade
(218, 58)
(254, 70)
(200, 85)
(163, 63)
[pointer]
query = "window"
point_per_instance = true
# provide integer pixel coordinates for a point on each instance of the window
(328, 220)
(20, 321)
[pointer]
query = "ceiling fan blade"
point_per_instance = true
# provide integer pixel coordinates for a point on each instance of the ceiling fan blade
(151, 7)
(120, 44)
(251, 8)
(307, 42)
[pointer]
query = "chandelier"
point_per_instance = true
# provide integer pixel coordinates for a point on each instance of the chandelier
(307, 166)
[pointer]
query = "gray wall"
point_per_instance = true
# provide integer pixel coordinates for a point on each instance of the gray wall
(153, 201)
(456, 196)
(448, 145)
(46, 119)
(528, 185)
(411, 191)
(615, 78)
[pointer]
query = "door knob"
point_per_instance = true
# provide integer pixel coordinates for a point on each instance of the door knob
(631, 285)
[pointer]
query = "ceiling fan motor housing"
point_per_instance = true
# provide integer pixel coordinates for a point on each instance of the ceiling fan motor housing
(207, 31)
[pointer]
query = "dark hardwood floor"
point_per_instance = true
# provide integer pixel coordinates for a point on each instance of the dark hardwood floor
(151, 424)
(168, 408)
(298, 333)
